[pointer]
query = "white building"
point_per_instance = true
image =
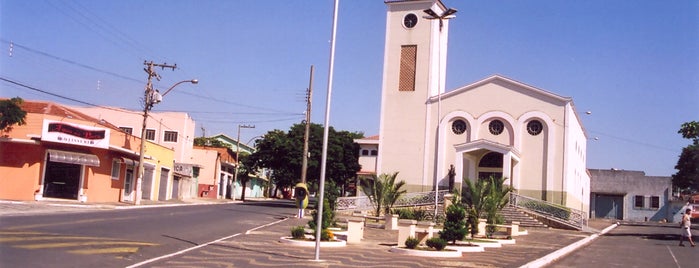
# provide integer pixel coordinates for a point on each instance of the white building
(496, 126)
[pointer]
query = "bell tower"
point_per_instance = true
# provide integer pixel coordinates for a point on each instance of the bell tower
(413, 76)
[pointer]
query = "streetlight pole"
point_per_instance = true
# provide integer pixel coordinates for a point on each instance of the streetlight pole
(237, 158)
(433, 16)
(150, 98)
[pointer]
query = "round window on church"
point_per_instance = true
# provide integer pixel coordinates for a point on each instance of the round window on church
(534, 127)
(458, 127)
(496, 127)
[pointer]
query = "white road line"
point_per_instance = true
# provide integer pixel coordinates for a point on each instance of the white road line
(673, 256)
(199, 246)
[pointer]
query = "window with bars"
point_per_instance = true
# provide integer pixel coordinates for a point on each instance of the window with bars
(408, 60)
(115, 169)
(128, 130)
(150, 134)
(655, 202)
(170, 136)
(638, 201)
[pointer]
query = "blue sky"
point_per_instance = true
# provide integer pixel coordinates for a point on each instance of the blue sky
(633, 64)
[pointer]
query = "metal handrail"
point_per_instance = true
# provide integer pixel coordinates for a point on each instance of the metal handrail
(362, 203)
(570, 216)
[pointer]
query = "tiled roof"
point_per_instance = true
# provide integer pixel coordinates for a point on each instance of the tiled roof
(50, 108)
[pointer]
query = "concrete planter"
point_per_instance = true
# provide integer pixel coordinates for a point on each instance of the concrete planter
(306, 243)
(427, 253)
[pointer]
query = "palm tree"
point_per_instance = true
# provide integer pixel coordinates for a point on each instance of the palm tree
(498, 197)
(475, 198)
(486, 197)
(383, 191)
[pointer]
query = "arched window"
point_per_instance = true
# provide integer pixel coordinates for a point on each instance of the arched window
(491, 160)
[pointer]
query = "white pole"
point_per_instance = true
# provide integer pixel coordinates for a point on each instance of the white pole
(323, 163)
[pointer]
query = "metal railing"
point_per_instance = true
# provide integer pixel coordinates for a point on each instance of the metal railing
(570, 216)
(407, 200)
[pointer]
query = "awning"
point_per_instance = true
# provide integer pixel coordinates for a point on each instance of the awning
(129, 161)
(74, 158)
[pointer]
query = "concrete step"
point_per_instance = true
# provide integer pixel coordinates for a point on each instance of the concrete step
(511, 214)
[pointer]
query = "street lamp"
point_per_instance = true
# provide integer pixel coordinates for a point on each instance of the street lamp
(151, 98)
(448, 14)
(237, 158)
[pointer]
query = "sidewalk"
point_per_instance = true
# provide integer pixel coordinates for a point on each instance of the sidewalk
(48, 206)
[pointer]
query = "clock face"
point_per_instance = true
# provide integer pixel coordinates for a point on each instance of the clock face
(410, 20)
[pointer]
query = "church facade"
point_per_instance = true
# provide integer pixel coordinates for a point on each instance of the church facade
(494, 127)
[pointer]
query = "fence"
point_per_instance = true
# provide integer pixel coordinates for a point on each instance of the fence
(407, 200)
(571, 216)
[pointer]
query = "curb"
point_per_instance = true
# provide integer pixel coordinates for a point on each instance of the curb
(548, 259)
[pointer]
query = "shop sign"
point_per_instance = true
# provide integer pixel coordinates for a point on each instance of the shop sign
(183, 169)
(76, 134)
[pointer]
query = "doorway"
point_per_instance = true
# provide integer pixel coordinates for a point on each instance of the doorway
(609, 206)
(128, 185)
(62, 180)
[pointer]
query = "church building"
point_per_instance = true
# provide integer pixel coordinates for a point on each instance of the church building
(493, 127)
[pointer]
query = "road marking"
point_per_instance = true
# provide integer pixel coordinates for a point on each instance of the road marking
(199, 246)
(49, 237)
(105, 250)
(67, 223)
(78, 244)
(673, 255)
(31, 240)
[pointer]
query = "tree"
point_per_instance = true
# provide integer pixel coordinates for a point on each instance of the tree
(687, 177)
(11, 113)
(383, 191)
(497, 199)
(282, 152)
(454, 225)
(474, 199)
(485, 198)
(210, 142)
(245, 169)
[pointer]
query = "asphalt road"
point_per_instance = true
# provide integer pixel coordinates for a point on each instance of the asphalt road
(635, 245)
(119, 238)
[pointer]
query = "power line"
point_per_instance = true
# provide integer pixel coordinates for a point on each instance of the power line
(70, 61)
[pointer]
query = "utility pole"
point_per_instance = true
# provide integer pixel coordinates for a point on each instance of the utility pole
(309, 94)
(150, 97)
(301, 189)
(237, 158)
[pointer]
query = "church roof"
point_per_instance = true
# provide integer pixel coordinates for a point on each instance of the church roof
(501, 79)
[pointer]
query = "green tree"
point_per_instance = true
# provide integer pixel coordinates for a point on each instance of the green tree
(282, 152)
(497, 198)
(454, 224)
(383, 191)
(11, 113)
(210, 142)
(687, 177)
(475, 199)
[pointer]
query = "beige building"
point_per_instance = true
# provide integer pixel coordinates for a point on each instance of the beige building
(173, 130)
(493, 127)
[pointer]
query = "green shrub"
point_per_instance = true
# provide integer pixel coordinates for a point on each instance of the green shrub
(420, 215)
(404, 213)
(454, 225)
(297, 232)
(411, 242)
(436, 243)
